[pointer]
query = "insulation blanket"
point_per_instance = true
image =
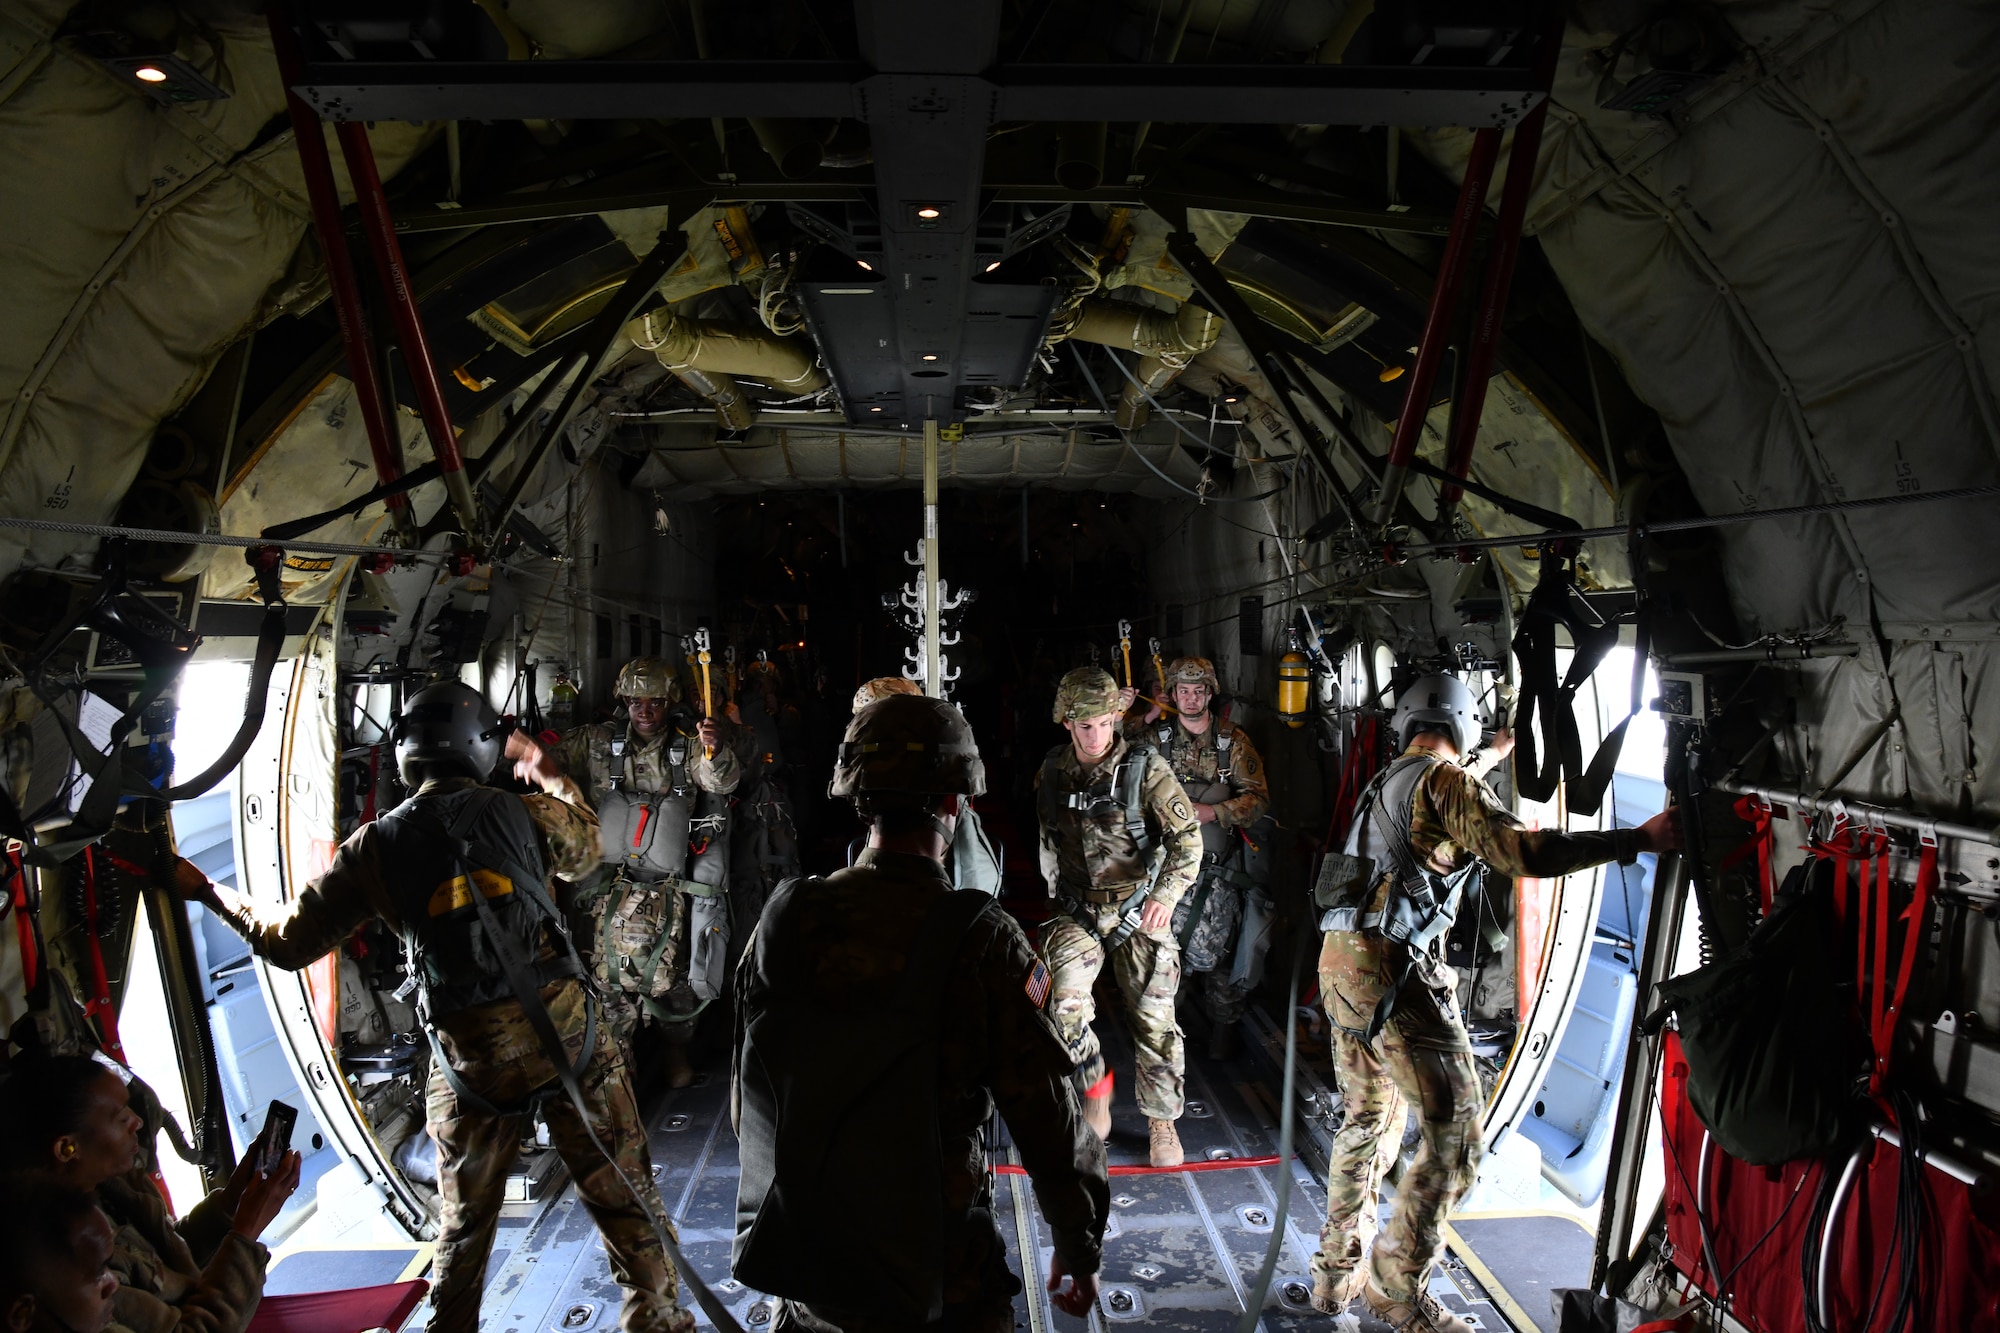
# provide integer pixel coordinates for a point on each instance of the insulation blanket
(1794, 273)
(146, 245)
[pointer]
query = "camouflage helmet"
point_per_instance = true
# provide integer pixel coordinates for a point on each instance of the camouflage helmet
(649, 678)
(1193, 671)
(908, 745)
(882, 687)
(1087, 692)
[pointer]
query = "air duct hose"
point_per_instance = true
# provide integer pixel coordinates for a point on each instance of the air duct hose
(705, 355)
(1166, 339)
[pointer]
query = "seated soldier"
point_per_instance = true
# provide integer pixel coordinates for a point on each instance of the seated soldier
(55, 1261)
(66, 1121)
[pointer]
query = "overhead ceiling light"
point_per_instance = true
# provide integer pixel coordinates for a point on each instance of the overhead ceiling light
(930, 212)
(930, 356)
(1230, 399)
(865, 264)
(874, 409)
(1390, 373)
(990, 267)
(150, 74)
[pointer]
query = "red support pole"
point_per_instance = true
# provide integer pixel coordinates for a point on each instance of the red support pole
(1437, 324)
(383, 441)
(1499, 277)
(380, 228)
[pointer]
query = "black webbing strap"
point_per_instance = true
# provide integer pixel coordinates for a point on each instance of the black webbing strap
(1551, 606)
(521, 979)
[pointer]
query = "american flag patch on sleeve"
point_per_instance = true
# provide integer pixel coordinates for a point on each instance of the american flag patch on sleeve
(1038, 985)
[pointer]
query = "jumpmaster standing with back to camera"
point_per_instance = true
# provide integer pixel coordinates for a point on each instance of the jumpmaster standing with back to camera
(881, 1017)
(460, 872)
(1423, 830)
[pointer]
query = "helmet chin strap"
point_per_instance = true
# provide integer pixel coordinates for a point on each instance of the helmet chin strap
(945, 821)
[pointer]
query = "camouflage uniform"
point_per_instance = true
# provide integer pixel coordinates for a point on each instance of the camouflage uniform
(621, 924)
(1220, 768)
(999, 1048)
(1423, 1057)
(190, 1276)
(1094, 864)
(494, 1050)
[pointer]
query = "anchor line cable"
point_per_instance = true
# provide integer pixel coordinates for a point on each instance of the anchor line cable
(1253, 1307)
(166, 536)
(1694, 524)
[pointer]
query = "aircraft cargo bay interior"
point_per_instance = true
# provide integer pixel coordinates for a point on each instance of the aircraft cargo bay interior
(855, 667)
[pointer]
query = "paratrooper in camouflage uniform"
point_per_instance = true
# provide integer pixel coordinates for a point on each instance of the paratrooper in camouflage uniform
(1101, 803)
(1422, 1056)
(492, 1048)
(1223, 775)
(632, 918)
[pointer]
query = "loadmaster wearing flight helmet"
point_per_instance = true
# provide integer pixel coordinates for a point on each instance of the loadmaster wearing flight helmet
(661, 791)
(1223, 923)
(415, 869)
(1119, 847)
(1426, 826)
(881, 1017)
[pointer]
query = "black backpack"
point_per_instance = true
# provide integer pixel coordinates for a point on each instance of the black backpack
(1774, 1048)
(841, 1203)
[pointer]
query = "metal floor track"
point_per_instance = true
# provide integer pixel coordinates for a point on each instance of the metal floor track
(1182, 1251)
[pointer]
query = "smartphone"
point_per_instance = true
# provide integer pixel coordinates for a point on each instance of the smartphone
(275, 1139)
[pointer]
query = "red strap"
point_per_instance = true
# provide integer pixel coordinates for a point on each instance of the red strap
(1141, 1169)
(1915, 917)
(639, 830)
(1101, 1088)
(24, 926)
(100, 1006)
(1878, 991)
(1756, 812)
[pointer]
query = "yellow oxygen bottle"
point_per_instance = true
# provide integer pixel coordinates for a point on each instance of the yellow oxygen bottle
(1294, 682)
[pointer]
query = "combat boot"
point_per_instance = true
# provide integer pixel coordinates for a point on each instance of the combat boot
(680, 1074)
(1334, 1289)
(1166, 1143)
(1097, 1114)
(1221, 1040)
(1419, 1314)
(1333, 1293)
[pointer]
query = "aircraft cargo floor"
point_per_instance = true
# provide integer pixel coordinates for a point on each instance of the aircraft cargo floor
(1182, 1251)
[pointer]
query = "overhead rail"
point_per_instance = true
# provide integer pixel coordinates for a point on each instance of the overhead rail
(424, 90)
(1763, 652)
(1859, 812)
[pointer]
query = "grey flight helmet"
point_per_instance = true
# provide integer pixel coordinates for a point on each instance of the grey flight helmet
(445, 726)
(1439, 703)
